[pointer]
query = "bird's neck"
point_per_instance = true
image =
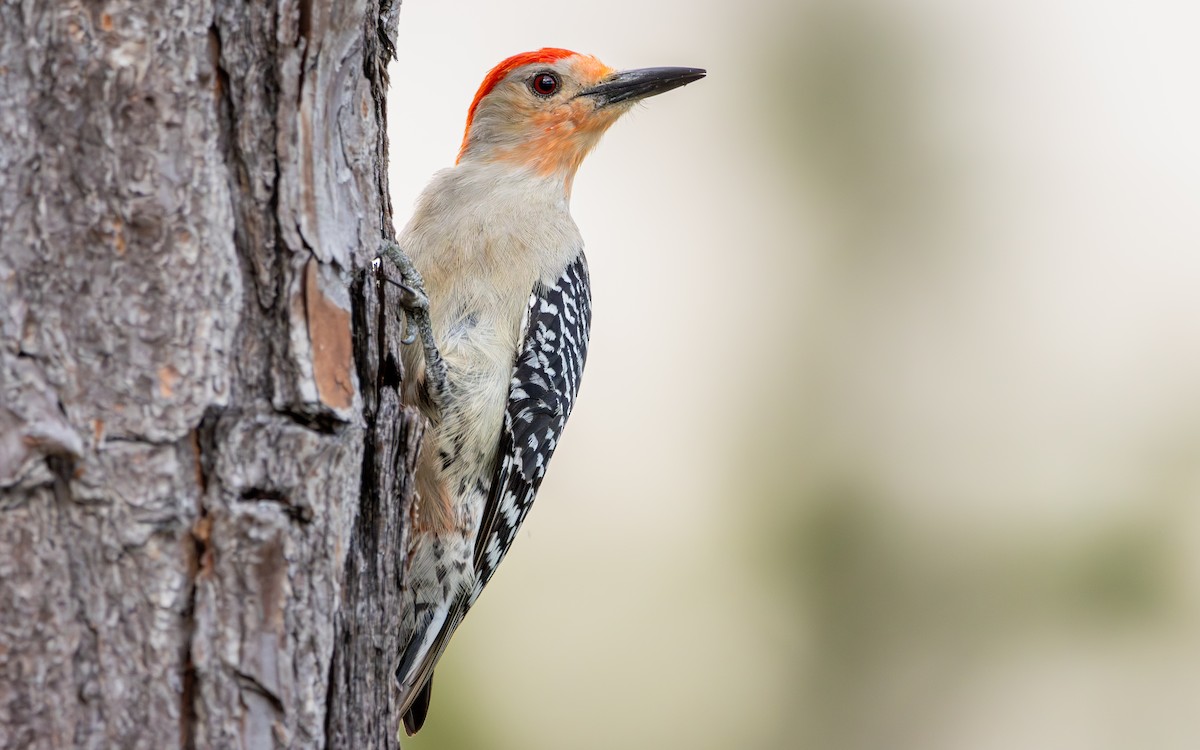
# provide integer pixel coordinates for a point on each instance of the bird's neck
(492, 216)
(503, 180)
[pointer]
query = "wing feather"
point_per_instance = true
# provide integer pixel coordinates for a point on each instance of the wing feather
(544, 385)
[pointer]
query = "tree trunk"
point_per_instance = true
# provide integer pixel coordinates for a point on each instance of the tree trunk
(203, 460)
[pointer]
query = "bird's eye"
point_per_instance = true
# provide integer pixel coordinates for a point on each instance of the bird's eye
(544, 84)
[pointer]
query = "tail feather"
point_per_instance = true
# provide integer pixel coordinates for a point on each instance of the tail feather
(414, 675)
(414, 719)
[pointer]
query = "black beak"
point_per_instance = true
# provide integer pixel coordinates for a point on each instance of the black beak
(631, 85)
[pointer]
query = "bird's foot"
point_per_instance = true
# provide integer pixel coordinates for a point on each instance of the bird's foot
(413, 298)
(415, 301)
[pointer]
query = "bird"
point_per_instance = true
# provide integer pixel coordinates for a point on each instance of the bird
(500, 296)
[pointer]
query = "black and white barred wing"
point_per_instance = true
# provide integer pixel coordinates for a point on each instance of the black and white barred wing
(544, 385)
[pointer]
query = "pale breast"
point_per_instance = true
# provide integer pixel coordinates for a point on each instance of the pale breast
(482, 242)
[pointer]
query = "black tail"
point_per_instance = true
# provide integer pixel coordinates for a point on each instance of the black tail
(415, 718)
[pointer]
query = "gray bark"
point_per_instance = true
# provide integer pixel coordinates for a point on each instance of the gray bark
(203, 461)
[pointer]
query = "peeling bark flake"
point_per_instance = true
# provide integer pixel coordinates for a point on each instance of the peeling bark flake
(332, 350)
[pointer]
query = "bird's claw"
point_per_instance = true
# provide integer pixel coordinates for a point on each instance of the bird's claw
(410, 335)
(412, 288)
(411, 300)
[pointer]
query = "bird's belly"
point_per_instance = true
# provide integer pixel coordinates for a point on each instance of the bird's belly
(476, 320)
(479, 371)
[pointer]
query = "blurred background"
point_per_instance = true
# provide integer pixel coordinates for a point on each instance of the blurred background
(890, 435)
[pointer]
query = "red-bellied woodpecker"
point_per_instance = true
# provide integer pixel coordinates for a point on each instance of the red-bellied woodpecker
(503, 315)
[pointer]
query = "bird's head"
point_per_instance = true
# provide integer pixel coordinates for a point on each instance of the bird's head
(546, 110)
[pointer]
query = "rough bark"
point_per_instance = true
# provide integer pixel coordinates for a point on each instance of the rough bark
(202, 457)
